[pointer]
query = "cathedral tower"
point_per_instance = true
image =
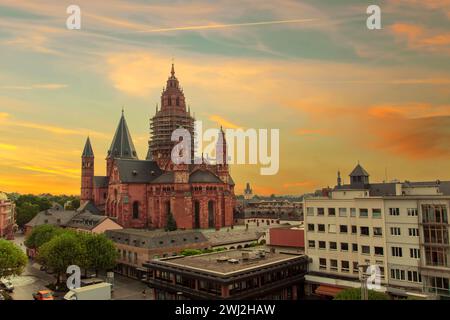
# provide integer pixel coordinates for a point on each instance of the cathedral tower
(171, 116)
(87, 173)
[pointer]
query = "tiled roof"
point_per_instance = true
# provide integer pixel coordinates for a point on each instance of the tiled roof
(52, 217)
(101, 182)
(86, 221)
(87, 152)
(122, 145)
(203, 176)
(359, 171)
(137, 171)
(155, 238)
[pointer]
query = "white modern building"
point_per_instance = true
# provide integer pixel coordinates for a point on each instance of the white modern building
(402, 228)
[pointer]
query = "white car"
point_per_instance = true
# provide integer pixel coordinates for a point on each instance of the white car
(6, 285)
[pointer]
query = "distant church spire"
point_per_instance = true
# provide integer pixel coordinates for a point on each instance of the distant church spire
(172, 72)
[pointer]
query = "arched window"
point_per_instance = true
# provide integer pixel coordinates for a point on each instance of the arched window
(196, 214)
(211, 217)
(170, 101)
(178, 101)
(136, 210)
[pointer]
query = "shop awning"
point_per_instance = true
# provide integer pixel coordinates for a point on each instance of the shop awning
(328, 290)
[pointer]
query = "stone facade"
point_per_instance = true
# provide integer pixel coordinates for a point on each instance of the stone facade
(142, 193)
(7, 217)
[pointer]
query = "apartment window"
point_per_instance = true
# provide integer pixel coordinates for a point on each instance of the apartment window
(414, 253)
(413, 232)
(376, 213)
(379, 251)
(352, 212)
(412, 212)
(436, 256)
(310, 227)
(364, 231)
(321, 227)
(345, 266)
(331, 211)
(397, 252)
(355, 267)
(311, 244)
(395, 231)
(435, 234)
(363, 213)
(344, 246)
(322, 264)
(377, 231)
(440, 283)
(332, 228)
(354, 247)
(333, 265)
(354, 229)
(333, 245)
(414, 276)
(310, 211)
(320, 211)
(434, 213)
(365, 249)
(343, 228)
(342, 212)
(398, 274)
(135, 258)
(322, 245)
(394, 211)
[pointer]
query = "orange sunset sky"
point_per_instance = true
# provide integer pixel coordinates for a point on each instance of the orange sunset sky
(338, 92)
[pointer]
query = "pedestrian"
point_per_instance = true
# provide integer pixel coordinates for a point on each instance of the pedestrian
(144, 293)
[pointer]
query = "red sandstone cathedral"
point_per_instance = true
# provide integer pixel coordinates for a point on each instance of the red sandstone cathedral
(142, 193)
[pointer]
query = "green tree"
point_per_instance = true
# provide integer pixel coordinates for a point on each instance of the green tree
(12, 259)
(41, 235)
(355, 294)
(101, 254)
(190, 252)
(171, 224)
(25, 212)
(60, 252)
(75, 204)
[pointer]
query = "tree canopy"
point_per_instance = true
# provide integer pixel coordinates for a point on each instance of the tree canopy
(60, 248)
(101, 254)
(41, 235)
(28, 205)
(171, 224)
(355, 294)
(12, 259)
(62, 251)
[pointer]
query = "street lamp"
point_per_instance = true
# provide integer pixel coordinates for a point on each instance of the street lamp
(363, 278)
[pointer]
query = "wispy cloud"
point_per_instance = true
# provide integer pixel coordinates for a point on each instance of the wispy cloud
(45, 86)
(229, 25)
(223, 122)
(6, 120)
(5, 146)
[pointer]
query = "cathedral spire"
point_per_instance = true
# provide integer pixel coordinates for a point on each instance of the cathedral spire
(172, 72)
(122, 145)
(87, 151)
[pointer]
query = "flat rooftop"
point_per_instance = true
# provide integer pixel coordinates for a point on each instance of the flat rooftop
(226, 263)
